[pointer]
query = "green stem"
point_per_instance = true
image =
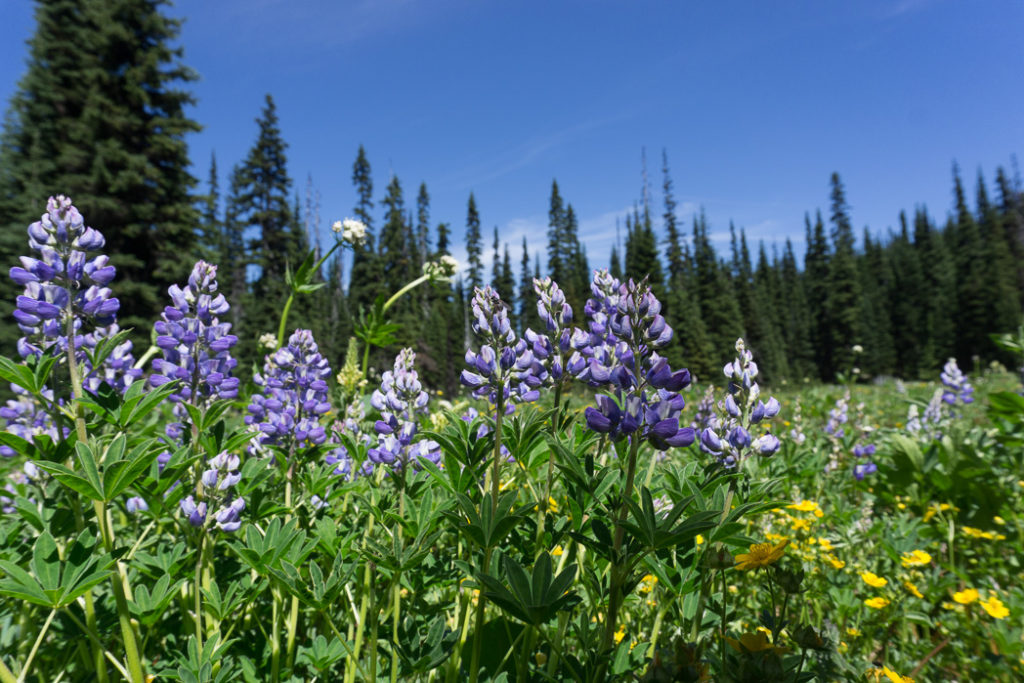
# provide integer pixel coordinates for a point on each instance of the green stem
(398, 295)
(94, 638)
(618, 575)
(198, 592)
(35, 646)
(146, 357)
(725, 610)
(542, 514)
(284, 319)
(6, 676)
(275, 641)
(350, 667)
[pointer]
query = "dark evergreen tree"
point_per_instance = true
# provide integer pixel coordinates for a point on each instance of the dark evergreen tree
(715, 294)
(394, 250)
(972, 313)
(938, 271)
(103, 121)
(211, 227)
(423, 224)
(474, 248)
(526, 298)
(366, 268)
(772, 349)
(556, 236)
(796, 328)
(879, 355)
(614, 263)
(1011, 211)
(443, 239)
(816, 275)
(1002, 298)
(843, 300)
(908, 303)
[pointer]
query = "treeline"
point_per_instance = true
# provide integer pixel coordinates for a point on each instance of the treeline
(107, 127)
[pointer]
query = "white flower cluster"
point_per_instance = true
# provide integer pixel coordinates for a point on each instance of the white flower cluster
(352, 231)
(442, 269)
(268, 340)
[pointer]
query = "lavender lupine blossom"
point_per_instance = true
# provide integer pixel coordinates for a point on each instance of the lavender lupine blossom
(646, 404)
(729, 436)
(195, 343)
(294, 395)
(864, 465)
(556, 359)
(504, 363)
(400, 399)
(930, 425)
(24, 417)
(705, 413)
(215, 489)
(64, 287)
(957, 386)
(837, 417)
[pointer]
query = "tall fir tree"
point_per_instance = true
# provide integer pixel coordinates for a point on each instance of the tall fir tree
(971, 276)
(364, 283)
(938, 339)
(908, 305)
(796, 328)
(556, 236)
(879, 355)
(105, 125)
(211, 234)
(1001, 294)
(816, 273)
(1011, 211)
(393, 251)
(423, 223)
(527, 298)
(474, 245)
(843, 300)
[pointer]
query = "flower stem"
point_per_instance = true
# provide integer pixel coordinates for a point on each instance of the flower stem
(35, 646)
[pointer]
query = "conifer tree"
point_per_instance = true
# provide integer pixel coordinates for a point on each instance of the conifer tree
(211, 227)
(1011, 211)
(614, 263)
(773, 350)
(443, 237)
(556, 236)
(908, 301)
(879, 356)
(843, 300)
(816, 269)
(366, 270)
(474, 248)
(796, 317)
(715, 294)
(394, 250)
(938, 339)
(104, 122)
(1001, 294)
(423, 224)
(971, 312)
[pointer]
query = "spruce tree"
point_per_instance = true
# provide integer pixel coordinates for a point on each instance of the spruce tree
(103, 122)
(908, 301)
(1011, 211)
(615, 263)
(423, 224)
(796, 328)
(879, 356)
(474, 248)
(816, 273)
(526, 298)
(393, 252)
(843, 300)
(715, 295)
(211, 226)
(364, 284)
(556, 236)
(971, 277)
(1001, 294)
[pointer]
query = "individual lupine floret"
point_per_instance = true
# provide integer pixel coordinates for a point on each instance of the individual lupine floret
(729, 437)
(195, 343)
(647, 404)
(64, 286)
(503, 364)
(837, 417)
(957, 386)
(215, 488)
(930, 425)
(864, 465)
(400, 399)
(294, 395)
(705, 414)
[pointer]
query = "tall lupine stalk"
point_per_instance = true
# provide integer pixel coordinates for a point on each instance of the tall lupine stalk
(64, 290)
(287, 416)
(502, 371)
(400, 399)
(557, 363)
(728, 436)
(196, 349)
(627, 324)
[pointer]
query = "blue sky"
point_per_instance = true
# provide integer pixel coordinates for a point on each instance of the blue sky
(756, 103)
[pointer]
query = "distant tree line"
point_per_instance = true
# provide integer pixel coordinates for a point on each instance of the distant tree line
(107, 127)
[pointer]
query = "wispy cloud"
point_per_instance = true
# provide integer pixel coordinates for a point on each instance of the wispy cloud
(475, 173)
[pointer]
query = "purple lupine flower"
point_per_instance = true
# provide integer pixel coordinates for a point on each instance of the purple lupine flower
(931, 424)
(553, 349)
(400, 399)
(862, 470)
(626, 326)
(64, 286)
(214, 489)
(730, 435)
(23, 416)
(957, 386)
(837, 417)
(135, 504)
(503, 364)
(294, 396)
(195, 343)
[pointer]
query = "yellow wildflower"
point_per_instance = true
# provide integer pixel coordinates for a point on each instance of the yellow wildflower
(801, 525)
(557, 551)
(620, 634)
(699, 540)
(853, 632)
(999, 520)
(647, 583)
(901, 506)
(873, 580)
(966, 596)
(760, 555)
(916, 558)
(552, 505)
(995, 607)
(825, 544)
(886, 674)
(877, 603)
(912, 589)
(836, 562)
(804, 506)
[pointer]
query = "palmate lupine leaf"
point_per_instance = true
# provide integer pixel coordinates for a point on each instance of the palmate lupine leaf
(55, 582)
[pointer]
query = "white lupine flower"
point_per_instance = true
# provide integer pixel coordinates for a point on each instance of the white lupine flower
(352, 231)
(268, 341)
